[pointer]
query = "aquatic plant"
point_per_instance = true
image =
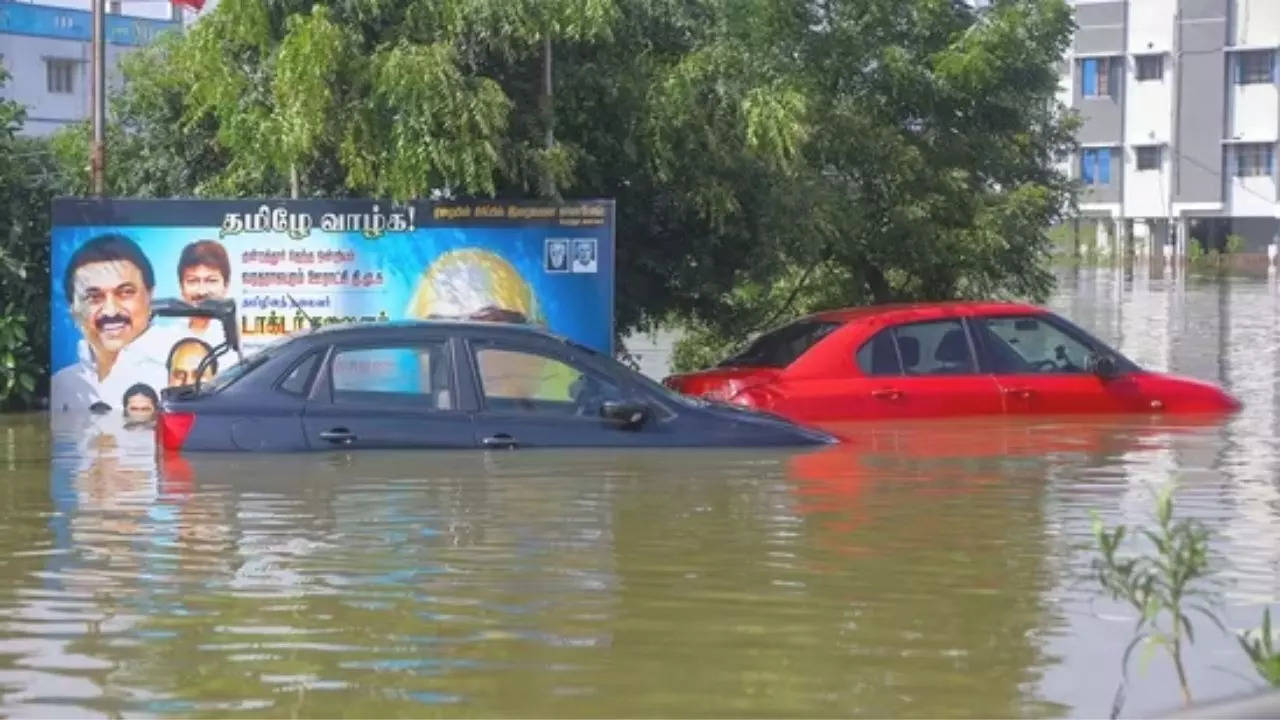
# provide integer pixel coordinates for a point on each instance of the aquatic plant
(1260, 646)
(1167, 585)
(1159, 586)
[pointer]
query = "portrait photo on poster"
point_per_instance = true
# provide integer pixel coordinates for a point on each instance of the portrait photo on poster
(557, 255)
(584, 255)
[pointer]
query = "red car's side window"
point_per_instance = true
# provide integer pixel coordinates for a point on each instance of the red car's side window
(878, 356)
(937, 347)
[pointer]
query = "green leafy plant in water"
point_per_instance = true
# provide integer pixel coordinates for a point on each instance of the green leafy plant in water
(1261, 648)
(1235, 243)
(1169, 584)
(1162, 586)
(1195, 251)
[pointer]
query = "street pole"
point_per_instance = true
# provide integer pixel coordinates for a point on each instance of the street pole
(548, 111)
(97, 158)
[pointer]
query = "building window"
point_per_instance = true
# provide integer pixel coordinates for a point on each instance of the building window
(1095, 77)
(1254, 160)
(1150, 67)
(60, 74)
(1255, 66)
(1095, 166)
(1149, 157)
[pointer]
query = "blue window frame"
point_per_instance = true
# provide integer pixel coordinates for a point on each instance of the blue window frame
(1095, 166)
(1095, 76)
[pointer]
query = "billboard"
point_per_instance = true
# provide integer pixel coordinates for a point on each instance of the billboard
(284, 261)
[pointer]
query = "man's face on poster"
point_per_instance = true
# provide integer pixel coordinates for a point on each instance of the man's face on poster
(112, 303)
(139, 408)
(201, 282)
(185, 362)
(558, 252)
(584, 252)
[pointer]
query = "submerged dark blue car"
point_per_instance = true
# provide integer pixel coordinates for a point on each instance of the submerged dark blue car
(448, 384)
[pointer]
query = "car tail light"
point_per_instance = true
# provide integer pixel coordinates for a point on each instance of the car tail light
(173, 429)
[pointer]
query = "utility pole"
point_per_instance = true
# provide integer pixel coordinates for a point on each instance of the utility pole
(1175, 104)
(97, 152)
(548, 110)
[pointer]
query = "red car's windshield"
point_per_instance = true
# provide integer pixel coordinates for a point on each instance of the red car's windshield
(780, 348)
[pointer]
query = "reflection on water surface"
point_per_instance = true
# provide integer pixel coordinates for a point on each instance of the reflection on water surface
(935, 569)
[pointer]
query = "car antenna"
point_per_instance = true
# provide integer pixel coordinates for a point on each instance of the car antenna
(314, 323)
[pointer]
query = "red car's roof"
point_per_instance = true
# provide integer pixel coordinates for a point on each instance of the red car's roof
(934, 309)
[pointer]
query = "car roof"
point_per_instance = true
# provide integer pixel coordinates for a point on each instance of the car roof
(328, 332)
(923, 309)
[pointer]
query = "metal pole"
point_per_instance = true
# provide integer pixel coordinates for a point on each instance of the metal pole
(97, 159)
(548, 114)
(546, 84)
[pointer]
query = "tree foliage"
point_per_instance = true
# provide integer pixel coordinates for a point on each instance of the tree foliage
(28, 181)
(866, 150)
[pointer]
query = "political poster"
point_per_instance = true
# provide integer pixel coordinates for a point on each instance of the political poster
(287, 263)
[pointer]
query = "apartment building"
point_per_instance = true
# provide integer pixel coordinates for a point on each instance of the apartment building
(48, 53)
(1181, 118)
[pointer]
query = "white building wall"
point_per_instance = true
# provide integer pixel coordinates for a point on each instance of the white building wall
(1254, 112)
(136, 8)
(26, 57)
(1251, 196)
(1255, 23)
(1148, 106)
(1151, 25)
(1146, 192)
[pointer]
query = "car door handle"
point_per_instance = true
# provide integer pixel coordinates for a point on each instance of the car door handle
(338, 435)
(1020, 392)
(886, 394)
(501, 440)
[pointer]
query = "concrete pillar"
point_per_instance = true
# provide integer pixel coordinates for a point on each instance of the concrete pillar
(1117, 232)
(1142, 235)
(1102, 238)
(1180, 237)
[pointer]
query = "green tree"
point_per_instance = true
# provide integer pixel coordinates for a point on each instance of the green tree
(849, 151)
(28, 181)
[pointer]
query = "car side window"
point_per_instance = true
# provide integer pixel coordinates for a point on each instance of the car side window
(527, 381)
(418, 376)
(1029, 344)
(295, 381)
(878, 356)
(939, 347)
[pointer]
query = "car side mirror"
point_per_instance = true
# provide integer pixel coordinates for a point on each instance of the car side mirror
(1104, 366)
(629, 414)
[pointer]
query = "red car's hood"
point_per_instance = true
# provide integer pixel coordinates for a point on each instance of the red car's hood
(720, 383)
(1177, 393)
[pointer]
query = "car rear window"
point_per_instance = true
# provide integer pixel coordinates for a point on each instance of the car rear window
(781, 347)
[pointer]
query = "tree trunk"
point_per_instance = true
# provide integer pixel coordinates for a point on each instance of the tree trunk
(880, 292)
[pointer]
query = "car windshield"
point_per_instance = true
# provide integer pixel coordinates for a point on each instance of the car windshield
(781, 347)
(240, 369)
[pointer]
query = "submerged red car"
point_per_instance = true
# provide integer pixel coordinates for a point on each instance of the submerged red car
(941, 359)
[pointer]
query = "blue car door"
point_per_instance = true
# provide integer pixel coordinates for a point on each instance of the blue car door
(534, 395)
(395, 394)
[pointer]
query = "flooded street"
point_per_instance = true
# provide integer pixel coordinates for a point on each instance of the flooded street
(933, 569)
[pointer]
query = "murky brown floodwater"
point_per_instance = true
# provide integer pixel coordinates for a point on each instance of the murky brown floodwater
(936, 569)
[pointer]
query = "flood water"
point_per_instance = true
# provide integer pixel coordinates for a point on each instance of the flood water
(936, 569)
